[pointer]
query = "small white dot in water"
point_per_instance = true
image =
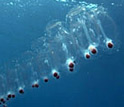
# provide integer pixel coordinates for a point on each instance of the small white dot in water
(11, 3)
(112, 3)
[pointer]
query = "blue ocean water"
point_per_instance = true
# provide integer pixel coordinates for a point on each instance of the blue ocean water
(98, 83)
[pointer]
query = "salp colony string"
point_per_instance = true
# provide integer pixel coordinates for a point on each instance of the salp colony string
(86, 30)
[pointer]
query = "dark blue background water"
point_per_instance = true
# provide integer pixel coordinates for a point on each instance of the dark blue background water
(98, 83)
